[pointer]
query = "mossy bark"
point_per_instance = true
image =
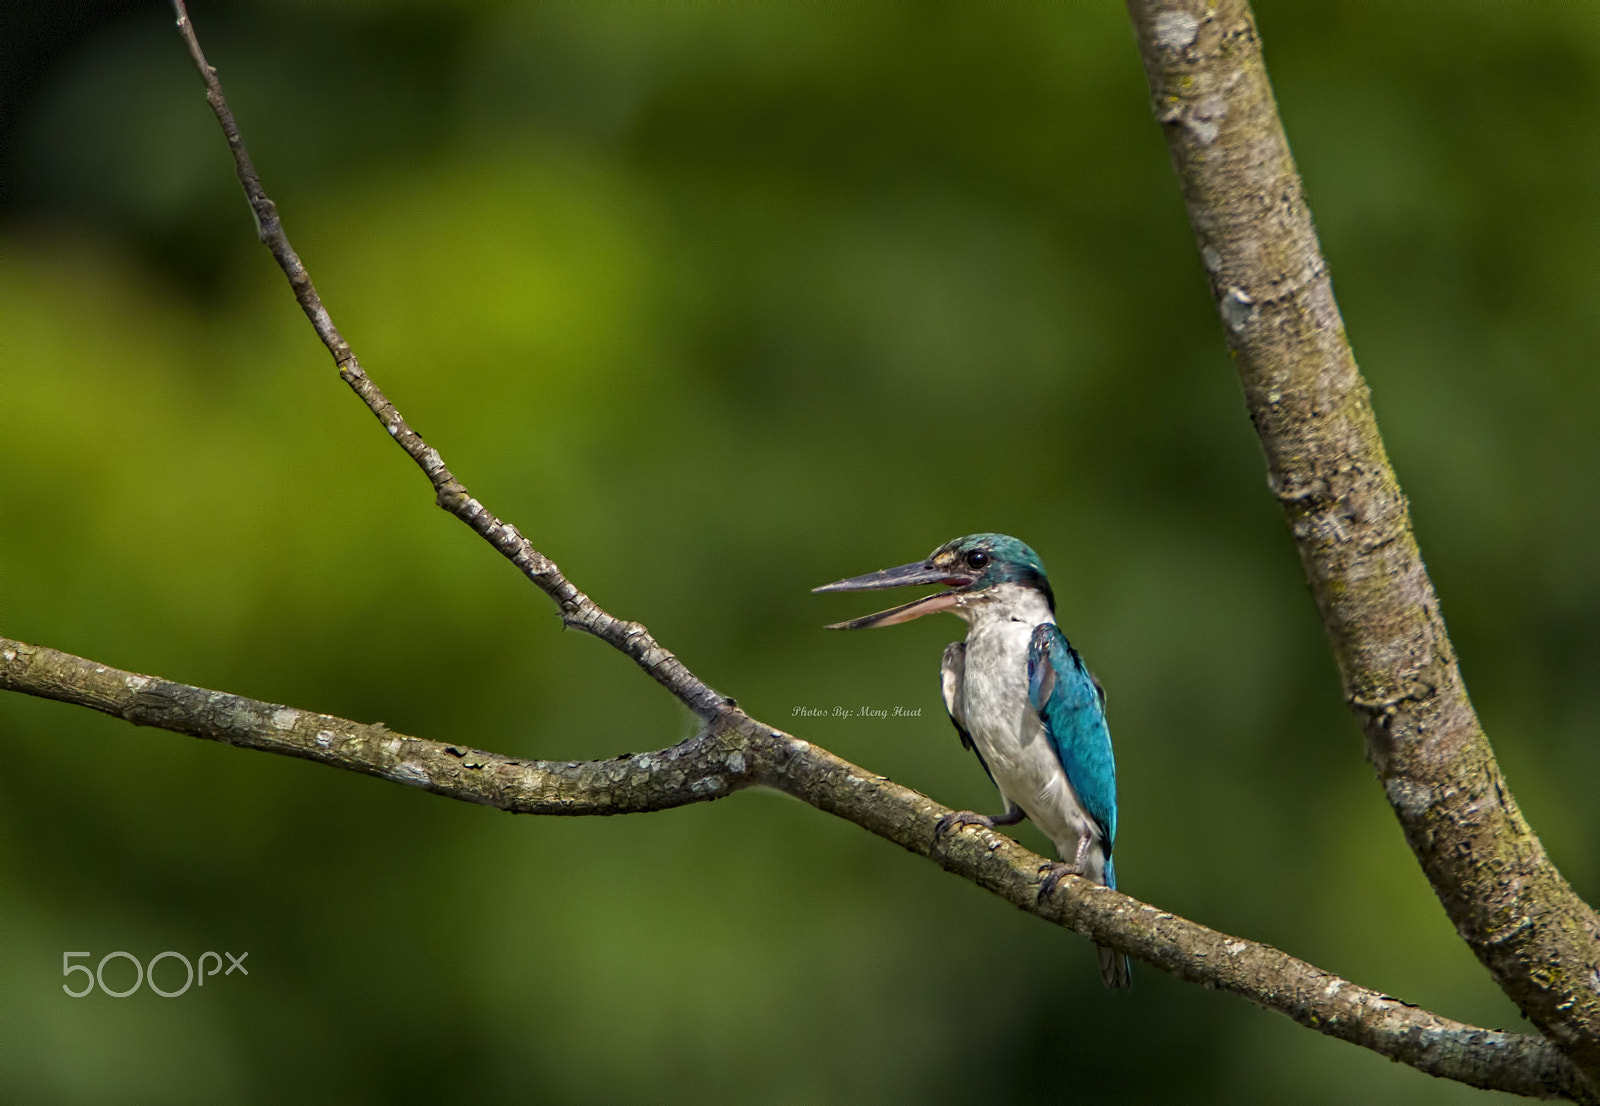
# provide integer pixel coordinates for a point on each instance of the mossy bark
(1327, 465)
(734, 752)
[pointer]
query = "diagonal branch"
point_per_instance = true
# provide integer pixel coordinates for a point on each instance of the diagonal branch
(1327, 465)
(577, 609)
(737, 752)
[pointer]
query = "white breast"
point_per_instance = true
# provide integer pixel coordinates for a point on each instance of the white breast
(1004, 725)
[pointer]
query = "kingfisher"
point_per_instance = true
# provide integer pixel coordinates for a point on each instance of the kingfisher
(1021, 699)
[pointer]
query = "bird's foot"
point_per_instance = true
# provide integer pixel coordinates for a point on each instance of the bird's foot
(1054, 873)
(960, 819)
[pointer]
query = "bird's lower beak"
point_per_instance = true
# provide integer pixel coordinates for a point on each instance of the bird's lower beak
(921, 572)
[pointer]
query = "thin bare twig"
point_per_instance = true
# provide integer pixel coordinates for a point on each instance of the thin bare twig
(1327, 464)
(577, 609)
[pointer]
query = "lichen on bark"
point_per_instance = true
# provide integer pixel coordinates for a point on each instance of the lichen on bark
(1327, 465)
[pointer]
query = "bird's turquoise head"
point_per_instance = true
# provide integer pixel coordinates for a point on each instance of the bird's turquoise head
(967, 566)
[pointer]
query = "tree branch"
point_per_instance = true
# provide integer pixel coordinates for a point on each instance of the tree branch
(707, 766)
(737, 752)
(734, 751)
(577, 609)
(1327, 465)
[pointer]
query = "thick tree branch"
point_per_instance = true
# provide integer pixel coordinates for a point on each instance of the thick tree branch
(1327, 465)
(736, 752)
(707, 766)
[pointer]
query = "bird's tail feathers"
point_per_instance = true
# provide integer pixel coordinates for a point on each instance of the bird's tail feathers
(1115, 971)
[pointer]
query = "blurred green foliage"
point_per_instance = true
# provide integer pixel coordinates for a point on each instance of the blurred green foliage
(718, 302)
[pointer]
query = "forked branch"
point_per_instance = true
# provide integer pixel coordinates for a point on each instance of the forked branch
(736, 752)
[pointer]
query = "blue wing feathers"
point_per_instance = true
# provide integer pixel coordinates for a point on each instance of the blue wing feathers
(1071, 706)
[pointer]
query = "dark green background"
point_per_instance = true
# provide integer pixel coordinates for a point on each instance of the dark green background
(718, 302)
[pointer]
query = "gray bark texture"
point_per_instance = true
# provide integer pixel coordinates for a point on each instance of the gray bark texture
(1327, 466)
(734, 752)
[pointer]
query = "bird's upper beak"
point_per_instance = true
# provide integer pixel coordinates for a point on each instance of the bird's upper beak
(921, 572)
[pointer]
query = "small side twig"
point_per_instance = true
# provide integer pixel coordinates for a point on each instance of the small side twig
(577, 609)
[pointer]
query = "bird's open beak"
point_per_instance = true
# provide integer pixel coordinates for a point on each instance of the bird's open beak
(922, 572)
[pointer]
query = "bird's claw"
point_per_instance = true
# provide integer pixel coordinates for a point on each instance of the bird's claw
(1057, 871)
(960, 819)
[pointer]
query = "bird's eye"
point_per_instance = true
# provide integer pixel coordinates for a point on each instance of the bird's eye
(977, 558)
